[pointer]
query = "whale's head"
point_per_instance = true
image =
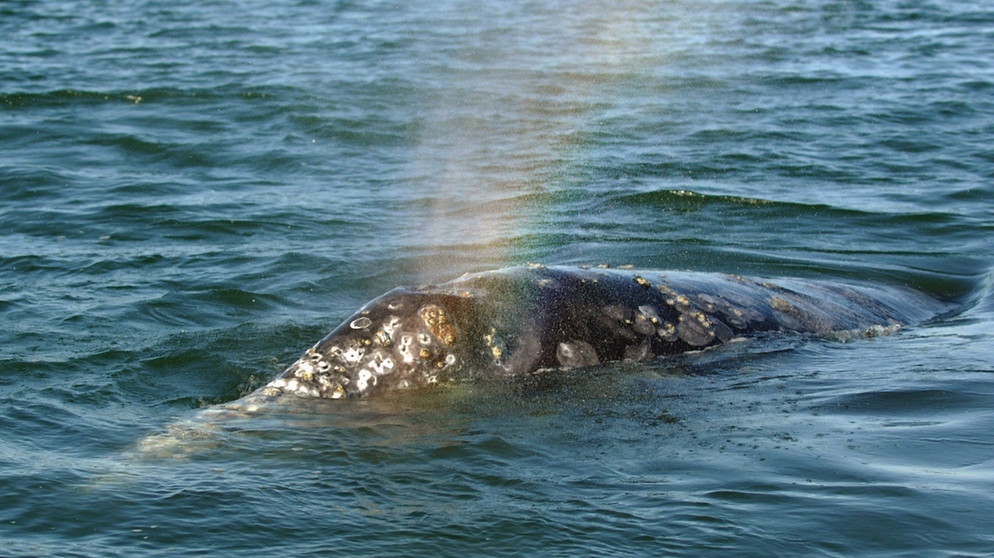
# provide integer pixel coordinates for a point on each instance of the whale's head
(404, 338)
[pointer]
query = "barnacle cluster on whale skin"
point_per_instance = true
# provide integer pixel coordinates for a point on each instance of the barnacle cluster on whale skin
(399, 351)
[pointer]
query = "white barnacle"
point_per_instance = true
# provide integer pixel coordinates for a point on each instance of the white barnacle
(304, 371)
(383, 338)
(391, 325)
(362, 380)
(387, 365)
(381, 364)
(303, 364)
(450, 359)
(405, 348)
(361, 323)
(424, 338)
(353, 355)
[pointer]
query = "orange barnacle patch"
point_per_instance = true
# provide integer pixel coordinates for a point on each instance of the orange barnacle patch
(439, 324)
(780, 304)
(665, 290)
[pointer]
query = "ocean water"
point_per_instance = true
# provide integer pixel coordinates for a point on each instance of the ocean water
(192, 193)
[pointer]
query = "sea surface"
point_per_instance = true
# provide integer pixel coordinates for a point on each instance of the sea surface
(192, 193)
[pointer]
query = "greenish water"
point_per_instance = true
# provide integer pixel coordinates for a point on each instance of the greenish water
(192, 194)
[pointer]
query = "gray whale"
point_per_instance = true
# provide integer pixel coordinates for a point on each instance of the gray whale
(523, 319)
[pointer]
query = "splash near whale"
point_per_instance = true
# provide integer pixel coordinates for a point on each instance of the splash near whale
(524, 319)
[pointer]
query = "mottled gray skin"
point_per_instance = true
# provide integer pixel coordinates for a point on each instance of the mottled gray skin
(524, 319)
